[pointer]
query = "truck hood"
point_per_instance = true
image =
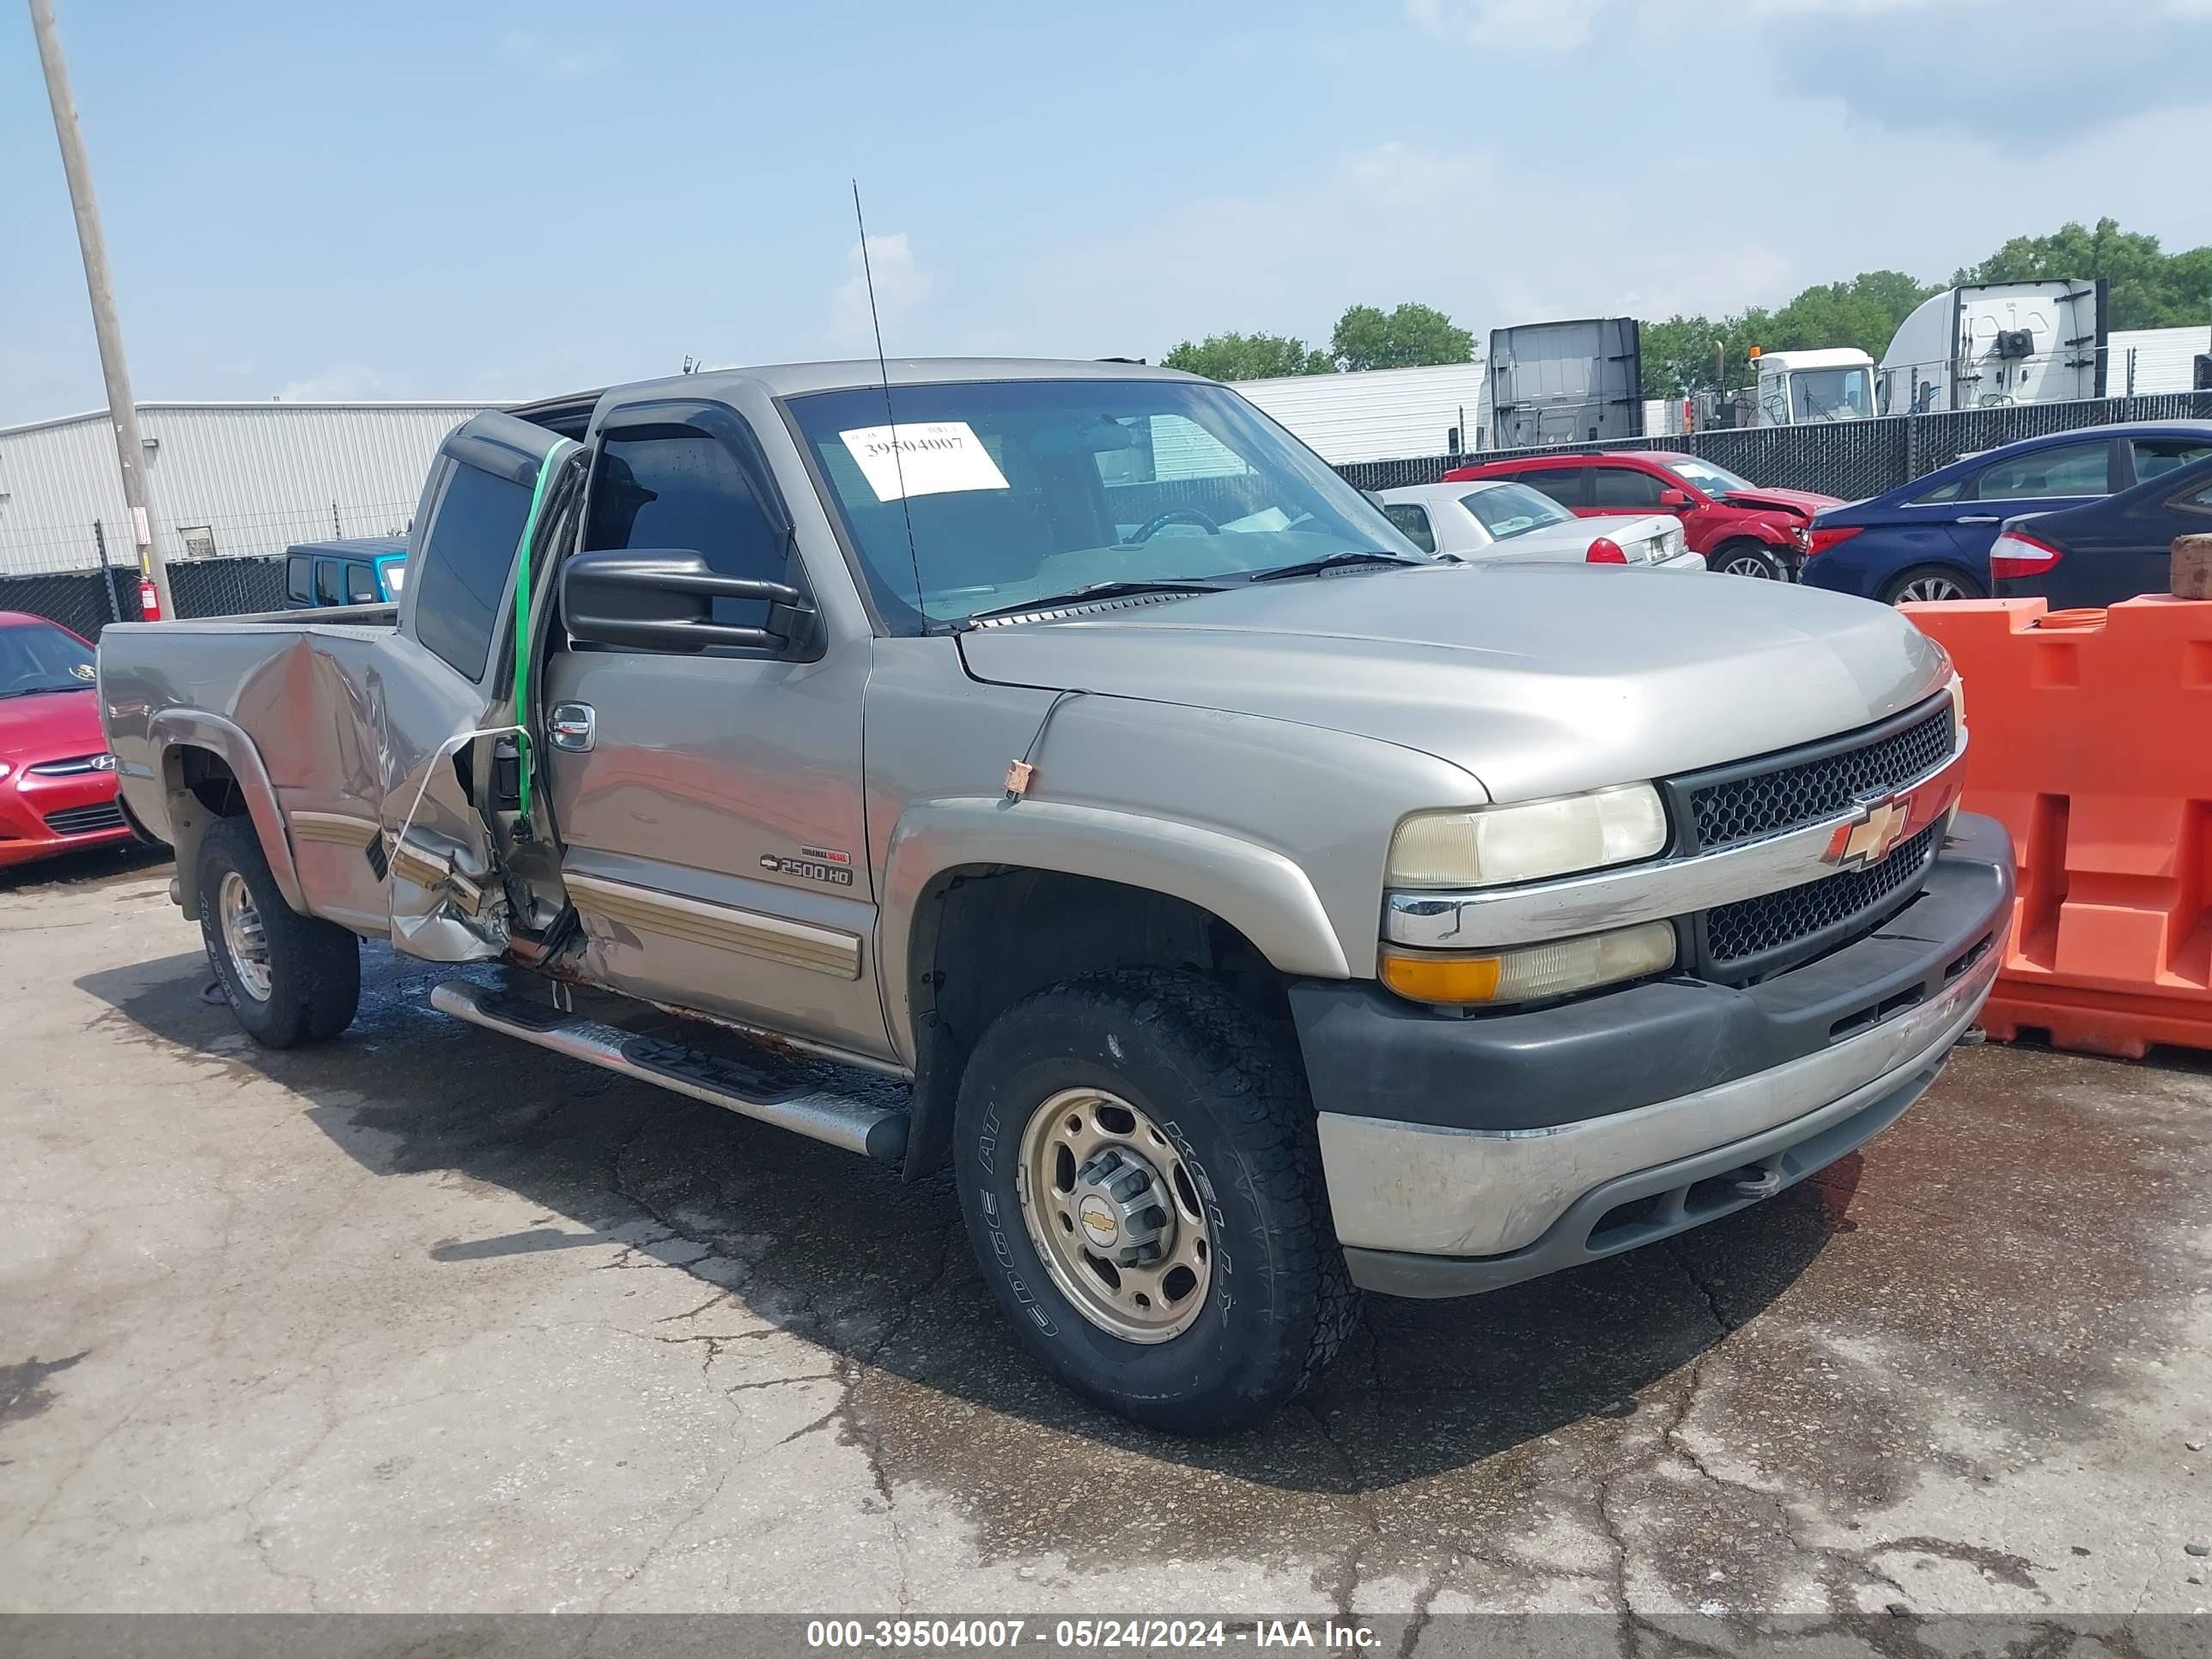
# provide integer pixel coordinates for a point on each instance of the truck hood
(1804, 503)
(1539, 679)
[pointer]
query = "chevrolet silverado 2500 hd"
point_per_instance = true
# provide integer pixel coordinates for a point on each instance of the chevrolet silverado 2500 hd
(1054, 771)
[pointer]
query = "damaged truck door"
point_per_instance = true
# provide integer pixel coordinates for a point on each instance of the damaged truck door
(457, 762)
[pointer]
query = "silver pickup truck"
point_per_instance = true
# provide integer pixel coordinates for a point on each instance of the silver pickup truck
(1055, 773)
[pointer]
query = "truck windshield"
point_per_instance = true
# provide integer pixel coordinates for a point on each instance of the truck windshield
(1831, 394)
(1017, 490)
(38, 657)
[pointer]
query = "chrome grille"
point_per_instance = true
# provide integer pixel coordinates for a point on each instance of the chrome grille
(1788, 794)
(1737, 935)
(76, 766)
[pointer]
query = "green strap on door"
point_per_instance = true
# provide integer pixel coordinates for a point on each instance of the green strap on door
(523, 616)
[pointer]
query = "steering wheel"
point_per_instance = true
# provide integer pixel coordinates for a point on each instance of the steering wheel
(1159, 522)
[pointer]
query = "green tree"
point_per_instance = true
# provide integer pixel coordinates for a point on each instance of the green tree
(1367, 337)
(1895, 292)
(1248, 357)
(1679, 356)
(1686, 354)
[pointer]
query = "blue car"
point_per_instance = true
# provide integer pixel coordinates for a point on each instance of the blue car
(1930, 539)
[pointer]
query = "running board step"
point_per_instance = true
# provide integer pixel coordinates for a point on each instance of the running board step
(856, 1125)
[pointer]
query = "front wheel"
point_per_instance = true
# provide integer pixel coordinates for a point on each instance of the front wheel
(289, 979)
(1140, 1180)
(1928, 582)
(1746, 559)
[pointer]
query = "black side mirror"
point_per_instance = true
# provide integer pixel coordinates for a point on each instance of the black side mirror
(663, 599)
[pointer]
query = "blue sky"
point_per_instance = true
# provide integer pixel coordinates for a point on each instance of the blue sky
(501, 200)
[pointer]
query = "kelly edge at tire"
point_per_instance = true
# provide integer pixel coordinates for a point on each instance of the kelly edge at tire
(1226, 1091)
(312, 966)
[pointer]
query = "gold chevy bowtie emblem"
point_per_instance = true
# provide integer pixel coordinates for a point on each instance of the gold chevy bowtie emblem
(1855, 845)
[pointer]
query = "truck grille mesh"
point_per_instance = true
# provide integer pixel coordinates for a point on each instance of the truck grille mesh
(1751, 927)
(1766, 803)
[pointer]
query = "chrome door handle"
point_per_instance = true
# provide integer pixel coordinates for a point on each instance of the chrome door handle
(572, 726)
(1981, 517)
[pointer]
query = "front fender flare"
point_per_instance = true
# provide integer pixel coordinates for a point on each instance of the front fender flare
(1258, 892)
(176, 727)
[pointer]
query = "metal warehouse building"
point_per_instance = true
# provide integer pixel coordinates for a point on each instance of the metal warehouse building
(223, 479)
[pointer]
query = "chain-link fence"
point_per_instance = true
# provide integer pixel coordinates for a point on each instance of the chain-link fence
(86, 601)
(83, 601)
(1848, 459)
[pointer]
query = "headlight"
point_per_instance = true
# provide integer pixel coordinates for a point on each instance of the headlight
(1539, 838)
(1958, 689)
(1535, 972)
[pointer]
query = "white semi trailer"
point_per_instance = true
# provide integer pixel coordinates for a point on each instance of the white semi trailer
(2000, 342)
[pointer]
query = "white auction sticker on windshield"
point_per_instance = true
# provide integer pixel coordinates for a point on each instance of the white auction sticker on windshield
(932, 458)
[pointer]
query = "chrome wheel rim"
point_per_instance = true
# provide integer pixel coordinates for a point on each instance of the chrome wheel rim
(1929, 588)
(1747, 564)
(1115, 1215)
(244, 940)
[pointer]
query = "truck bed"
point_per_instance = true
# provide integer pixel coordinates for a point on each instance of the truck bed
(291, 694)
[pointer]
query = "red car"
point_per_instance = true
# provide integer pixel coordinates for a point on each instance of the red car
(56, 778)
(1742, 529)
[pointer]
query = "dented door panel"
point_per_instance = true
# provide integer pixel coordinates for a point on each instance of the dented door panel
(445, 688)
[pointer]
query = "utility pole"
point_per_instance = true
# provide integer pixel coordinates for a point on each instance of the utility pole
(122, 412)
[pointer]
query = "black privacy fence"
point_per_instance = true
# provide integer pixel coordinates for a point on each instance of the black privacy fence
(1849, 459)
(1852, 458)
(88, 600)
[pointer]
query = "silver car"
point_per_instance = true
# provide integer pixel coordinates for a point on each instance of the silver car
(1494, 519)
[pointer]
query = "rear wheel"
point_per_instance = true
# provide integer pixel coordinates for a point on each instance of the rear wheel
(1928, 582)
(1140, 1180)
(1742, 558)
(289, 979)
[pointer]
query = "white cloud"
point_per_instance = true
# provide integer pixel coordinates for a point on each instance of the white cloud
(1541, 25)
(1488, 242)
(1886, 63)
(563, 59)
(343, 383)
(901, 286)
(1563, 25)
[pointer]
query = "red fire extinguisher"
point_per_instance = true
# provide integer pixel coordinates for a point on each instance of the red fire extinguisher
(149, 602)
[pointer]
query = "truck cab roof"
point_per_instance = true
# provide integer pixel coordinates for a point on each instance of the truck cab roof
(571, 414)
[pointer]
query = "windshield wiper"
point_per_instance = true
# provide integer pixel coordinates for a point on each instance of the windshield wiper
(1314, 567)
(1106, 590)
(48, 690)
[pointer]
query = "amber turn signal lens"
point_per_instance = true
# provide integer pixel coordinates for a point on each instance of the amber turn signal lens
(1442, 979)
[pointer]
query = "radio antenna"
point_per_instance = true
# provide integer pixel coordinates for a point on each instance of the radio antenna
(884, 368)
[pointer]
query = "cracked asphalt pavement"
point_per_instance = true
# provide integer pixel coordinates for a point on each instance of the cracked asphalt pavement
(428, 1321)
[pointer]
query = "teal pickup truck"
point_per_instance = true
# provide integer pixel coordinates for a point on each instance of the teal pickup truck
(371, 570)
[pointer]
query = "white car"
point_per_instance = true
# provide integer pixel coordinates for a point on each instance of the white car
(1492, 520)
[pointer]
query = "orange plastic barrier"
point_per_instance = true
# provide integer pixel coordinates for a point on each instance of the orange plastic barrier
(2091, 742)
